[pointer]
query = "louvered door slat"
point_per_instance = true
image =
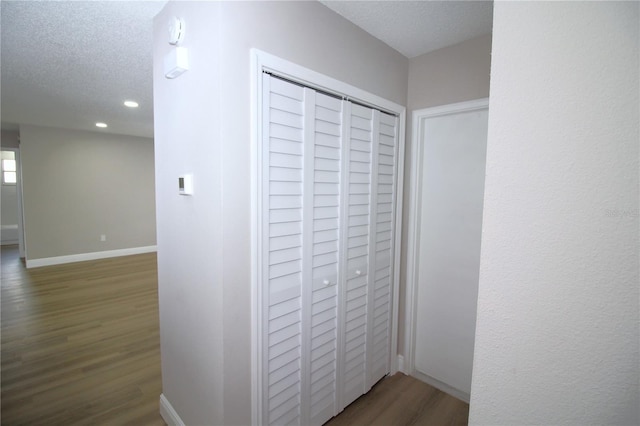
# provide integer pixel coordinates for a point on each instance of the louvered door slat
(325, 253)
(282, 200)
(380, 310)
(356, 234)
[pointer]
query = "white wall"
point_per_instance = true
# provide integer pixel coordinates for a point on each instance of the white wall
(452, 74)
(10, 139)
(203, 123)
(558, 326)
(189, 228)
(78, 185)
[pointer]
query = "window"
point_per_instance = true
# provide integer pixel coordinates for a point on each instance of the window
(9, 170)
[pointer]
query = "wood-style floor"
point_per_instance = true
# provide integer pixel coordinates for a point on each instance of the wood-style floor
(80, 346)
(80, 342)
(401, 400)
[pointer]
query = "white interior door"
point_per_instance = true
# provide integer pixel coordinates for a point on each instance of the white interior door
(452, 190)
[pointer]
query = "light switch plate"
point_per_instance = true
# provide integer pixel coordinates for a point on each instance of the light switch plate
(185, 184)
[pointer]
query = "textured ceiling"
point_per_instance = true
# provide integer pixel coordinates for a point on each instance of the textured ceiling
(73, 63)
(417, 27)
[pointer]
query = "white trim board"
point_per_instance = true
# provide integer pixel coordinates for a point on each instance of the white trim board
(419, 118)
(59, 260)
(442, 386)
(260, 62)
(168, 413)
(400, 362)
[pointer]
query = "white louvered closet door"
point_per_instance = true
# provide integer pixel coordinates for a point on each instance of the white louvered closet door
(356, 243)
(282, 251)
(381, 269)
(325, 114)
(302, 150)
(328, 196)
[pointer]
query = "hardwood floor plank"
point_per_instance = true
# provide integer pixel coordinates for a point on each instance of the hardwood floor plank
(401, 400)
(80, 342)
(81, 346)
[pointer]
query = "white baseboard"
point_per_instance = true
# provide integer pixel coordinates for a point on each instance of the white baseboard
(168, 414)
(58, 260)
(464, 396)
(401, 364)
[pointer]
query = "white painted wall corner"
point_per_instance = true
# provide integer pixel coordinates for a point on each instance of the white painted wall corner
(401, 364)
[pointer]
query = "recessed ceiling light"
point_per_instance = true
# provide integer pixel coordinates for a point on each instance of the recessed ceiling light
(103, 125)
(131, 104)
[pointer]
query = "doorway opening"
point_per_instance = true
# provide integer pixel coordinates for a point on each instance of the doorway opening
(11, 230)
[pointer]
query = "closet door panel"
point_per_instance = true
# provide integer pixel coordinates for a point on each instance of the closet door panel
(325, 253)
(282, 252)
(383, 249)
(357, 240)
(328, 196)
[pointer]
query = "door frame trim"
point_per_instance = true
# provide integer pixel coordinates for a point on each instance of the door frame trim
(419, 120)
(260, 62)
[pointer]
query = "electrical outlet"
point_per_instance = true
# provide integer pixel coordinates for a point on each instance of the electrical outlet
(103, 237)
